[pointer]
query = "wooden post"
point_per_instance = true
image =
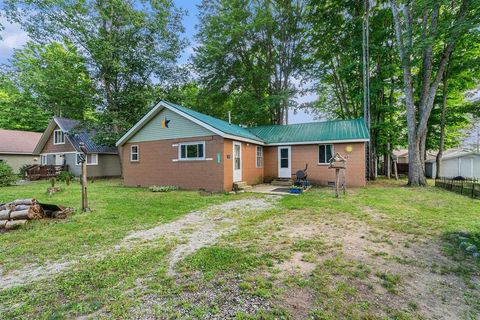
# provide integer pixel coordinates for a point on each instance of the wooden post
(344, 182)
(336, 182)
(84, 179)
(473, 189)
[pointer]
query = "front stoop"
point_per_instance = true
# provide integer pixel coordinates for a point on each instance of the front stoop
(241, 186)
(284, 182)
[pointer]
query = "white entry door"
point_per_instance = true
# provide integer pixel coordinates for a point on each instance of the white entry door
(58, 160)
(237, 161)
(284, 162)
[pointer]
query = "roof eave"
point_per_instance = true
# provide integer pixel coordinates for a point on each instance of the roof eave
(317, 142)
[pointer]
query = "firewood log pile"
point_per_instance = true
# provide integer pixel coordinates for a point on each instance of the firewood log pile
(17, 213)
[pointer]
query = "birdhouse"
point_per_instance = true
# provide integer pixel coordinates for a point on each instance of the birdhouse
(338, 162)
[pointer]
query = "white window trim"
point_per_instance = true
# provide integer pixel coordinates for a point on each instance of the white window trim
(88, 164)
(318, 153)
(137, 153)
(43, 160)
(187, 144)
(256, 157)
(55, 135)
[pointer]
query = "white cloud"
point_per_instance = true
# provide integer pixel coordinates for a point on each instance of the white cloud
(13, 37)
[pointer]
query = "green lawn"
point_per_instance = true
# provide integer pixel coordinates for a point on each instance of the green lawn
(116, 211)
(385, 251)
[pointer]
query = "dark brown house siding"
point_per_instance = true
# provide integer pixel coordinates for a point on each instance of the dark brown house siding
(157, 165)
(59, 148)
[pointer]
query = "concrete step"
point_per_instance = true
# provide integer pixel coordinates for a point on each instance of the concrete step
(282, 182)
(241, 185)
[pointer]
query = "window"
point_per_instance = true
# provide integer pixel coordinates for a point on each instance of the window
(192, 151)
(92, 159)
(325, 153)
(43, 160)
(259, 157)
(284, 157)
(134, 153)
(58, 137)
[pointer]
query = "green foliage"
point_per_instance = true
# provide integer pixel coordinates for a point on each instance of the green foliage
(52, 182)
(23, 170)
(126, 46)
(163, 188)
(7, 176)
(65, 176)
(17, 109)
(247, 56)
(54, 76)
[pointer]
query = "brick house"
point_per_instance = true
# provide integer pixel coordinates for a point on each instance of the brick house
(174, 145)
(60, 146)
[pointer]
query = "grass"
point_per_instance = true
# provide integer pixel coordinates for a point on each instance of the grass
(116, 210)
(247, 260)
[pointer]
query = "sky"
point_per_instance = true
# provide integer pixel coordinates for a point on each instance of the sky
(13, 37)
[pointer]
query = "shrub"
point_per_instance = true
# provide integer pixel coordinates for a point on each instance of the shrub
(23, 170)
(7, 176)
(52, 182)
(66, 177)
(163, 188)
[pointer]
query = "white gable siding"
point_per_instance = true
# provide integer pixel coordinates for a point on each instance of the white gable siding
(178, 127)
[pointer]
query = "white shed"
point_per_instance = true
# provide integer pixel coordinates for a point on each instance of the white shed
(465, 164)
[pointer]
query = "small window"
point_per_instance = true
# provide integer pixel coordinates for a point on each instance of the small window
(192, 151)
(134, 153)
(259, 157)
(325, 153)
(58, 137)
(92, 159)
(43, 160)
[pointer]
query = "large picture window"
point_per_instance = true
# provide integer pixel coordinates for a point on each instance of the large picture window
(259, 162)
(58, 137)
(192, 151)
(325, 153)
(92, 159)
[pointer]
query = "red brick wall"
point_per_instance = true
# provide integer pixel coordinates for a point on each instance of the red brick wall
(227, 159)
(59, 148)
(270, 164)
(250, 174)
(155, 165)
(320, 174)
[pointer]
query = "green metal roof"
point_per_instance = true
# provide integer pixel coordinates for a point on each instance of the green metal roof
(218, 124)
(335, 130)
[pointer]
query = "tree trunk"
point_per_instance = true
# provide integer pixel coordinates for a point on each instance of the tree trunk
(4, 214)
(416, 175)
(417, 123)
(11, 225)
(388, 162)
(441, 145)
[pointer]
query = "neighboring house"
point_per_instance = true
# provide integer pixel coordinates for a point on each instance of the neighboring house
(402, 155)
(60, 145)
(459, 163)
(16, 148)
(174, 145)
